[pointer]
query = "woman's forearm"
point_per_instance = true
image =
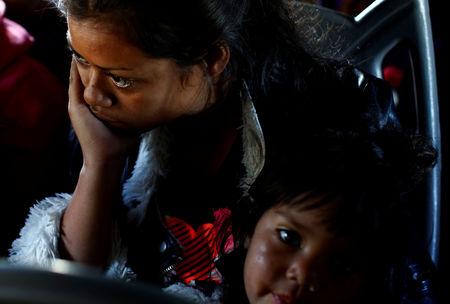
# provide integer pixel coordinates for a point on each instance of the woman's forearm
(86, 224)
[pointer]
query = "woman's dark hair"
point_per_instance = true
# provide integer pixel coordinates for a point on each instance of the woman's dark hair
(259, 33)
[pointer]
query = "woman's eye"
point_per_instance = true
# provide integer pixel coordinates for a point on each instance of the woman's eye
(79, 59)
(289, 237)
(121, 82)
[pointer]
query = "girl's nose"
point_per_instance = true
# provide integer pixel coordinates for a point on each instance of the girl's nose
(304, 273)
(94, 94)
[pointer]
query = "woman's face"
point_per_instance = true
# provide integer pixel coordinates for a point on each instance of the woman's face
(294, 258)
(125, 87)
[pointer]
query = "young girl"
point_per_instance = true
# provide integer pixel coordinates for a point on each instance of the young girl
(331, 217)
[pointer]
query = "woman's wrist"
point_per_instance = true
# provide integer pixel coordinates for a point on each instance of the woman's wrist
(108, 173)
(106, 165)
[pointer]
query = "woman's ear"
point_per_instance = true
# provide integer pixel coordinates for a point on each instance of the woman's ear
(217, 60)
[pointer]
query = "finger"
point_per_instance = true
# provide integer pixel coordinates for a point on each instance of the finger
(75, 85)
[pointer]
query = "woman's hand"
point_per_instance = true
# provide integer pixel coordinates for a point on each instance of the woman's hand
(100, 144)
(88, 220)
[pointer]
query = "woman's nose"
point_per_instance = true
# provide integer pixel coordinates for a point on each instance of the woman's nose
(94, 93)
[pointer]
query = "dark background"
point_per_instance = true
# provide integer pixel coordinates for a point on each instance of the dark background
(440, 26)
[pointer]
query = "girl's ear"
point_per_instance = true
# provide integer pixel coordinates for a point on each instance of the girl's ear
(217, 60)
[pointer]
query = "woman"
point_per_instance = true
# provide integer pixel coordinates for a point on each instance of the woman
(181, 76)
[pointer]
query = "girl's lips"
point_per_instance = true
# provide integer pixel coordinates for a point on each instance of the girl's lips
(282, 299)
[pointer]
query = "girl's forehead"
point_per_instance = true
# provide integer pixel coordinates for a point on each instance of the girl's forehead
(309, 216)
(316, 208)
(323, 202)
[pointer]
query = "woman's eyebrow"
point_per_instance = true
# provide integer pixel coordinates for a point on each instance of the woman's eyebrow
(69, 45)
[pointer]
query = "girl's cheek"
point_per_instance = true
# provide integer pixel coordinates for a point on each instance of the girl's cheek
(260, 266)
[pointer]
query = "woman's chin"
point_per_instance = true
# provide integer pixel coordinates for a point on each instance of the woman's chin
(121, 128)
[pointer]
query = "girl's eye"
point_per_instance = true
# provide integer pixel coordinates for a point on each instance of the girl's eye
(120, 82)
(289, 237)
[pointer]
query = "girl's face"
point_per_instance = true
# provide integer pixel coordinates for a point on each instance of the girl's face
(294, 258)
(126, 88)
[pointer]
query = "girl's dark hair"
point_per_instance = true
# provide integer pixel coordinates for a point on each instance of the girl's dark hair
(343, 140)
(259, 33)
(342, 136)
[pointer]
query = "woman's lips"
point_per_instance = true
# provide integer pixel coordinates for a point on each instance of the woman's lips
(102, 117)
(110, 122)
